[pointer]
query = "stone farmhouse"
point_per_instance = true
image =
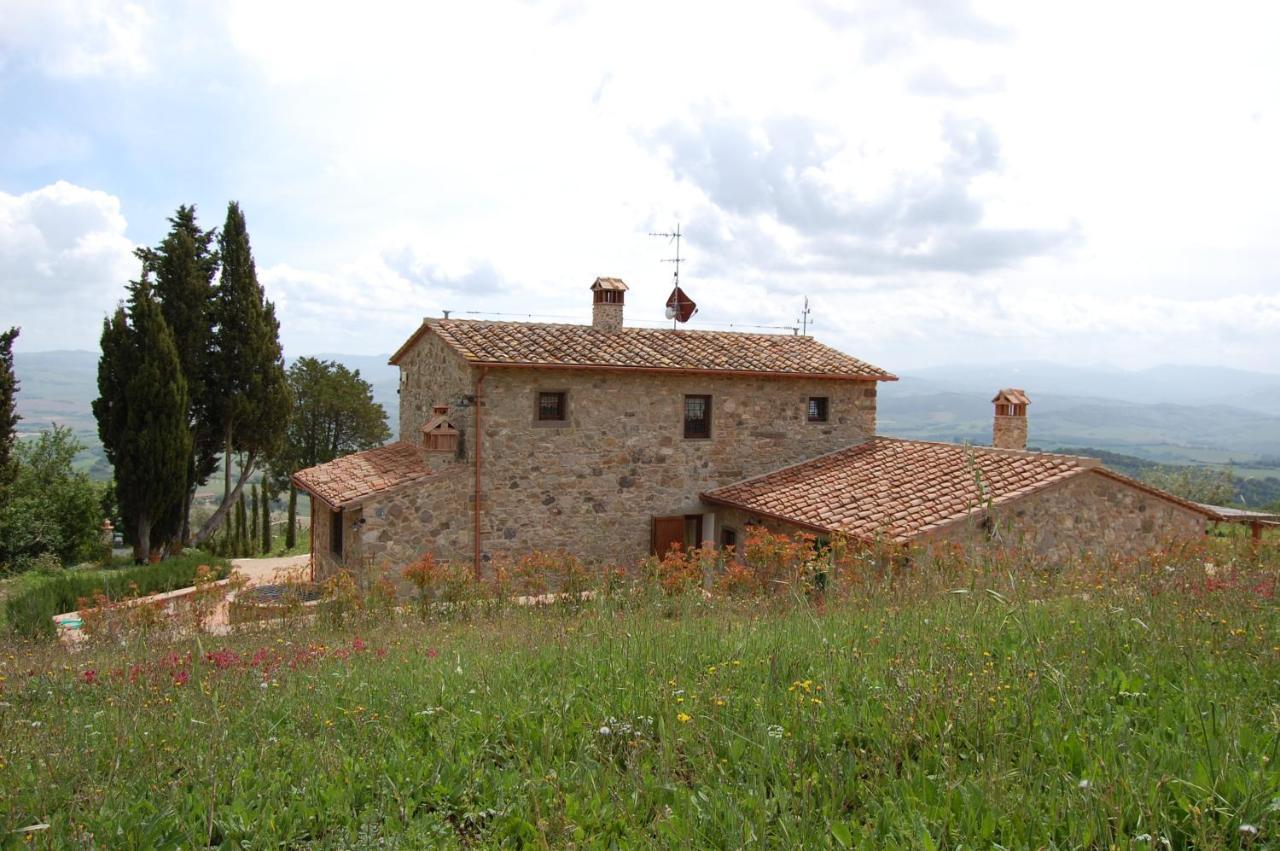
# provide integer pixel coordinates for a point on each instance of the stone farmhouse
(615, 442)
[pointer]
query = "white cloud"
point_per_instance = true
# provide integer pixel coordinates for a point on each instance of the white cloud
(64, 260)
(63, 38)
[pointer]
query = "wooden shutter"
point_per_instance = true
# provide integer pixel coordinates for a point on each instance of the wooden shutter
(667, 532)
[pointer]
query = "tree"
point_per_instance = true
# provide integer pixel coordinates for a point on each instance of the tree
(184, 265)
(247, 379)
(1198, 484)
(241, 547)
(142, 415)
(254, 514)
(333, 414)
(266, 518)
(8, 406)
(49, 507)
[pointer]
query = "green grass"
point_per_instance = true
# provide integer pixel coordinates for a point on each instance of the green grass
(970, 712)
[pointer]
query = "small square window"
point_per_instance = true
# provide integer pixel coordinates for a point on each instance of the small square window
(817, 409)
(697, 416)
(551, 407)
(728, 538)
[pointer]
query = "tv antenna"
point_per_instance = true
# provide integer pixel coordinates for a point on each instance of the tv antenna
(804, 318)
(677, 260)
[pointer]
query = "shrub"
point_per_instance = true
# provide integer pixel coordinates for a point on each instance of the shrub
(29, 612)
(49, 508)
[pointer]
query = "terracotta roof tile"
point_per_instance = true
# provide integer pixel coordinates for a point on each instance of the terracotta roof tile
(352, 477)
(896, 489)
(584, 347)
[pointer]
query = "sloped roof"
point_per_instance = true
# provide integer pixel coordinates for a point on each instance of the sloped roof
(895, 489)
(353, 477)
(1013, 396)
(609, 284)
(532, 344)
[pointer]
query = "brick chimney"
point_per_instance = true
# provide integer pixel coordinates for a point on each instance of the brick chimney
(1010, 429)
(607, 297)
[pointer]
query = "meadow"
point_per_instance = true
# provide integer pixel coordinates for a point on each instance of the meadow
(979, 703)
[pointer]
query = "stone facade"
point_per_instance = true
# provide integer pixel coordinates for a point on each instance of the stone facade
(388, 531)
(1090, 512)
(433, 374)
(594, 482)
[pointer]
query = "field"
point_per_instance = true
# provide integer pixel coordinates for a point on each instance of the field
(1118, 705)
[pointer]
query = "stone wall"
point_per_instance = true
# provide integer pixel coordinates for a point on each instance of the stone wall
(1090, 512)
(1009, 432)
(431, 516)
(431, 373)
(593, 483)
(324, 562)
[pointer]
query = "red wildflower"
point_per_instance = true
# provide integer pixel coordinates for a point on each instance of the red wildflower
(180, 678)
(90, 676)
(358, 644)
(432, 653)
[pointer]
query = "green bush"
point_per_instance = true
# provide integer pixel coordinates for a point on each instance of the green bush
(29, 611)
(49, 508)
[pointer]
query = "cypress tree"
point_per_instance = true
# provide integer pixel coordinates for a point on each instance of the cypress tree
(291, 530)
(266, 520)
(254, 537)
(142, 415)
(8, 406)
(247, 366)
(184, 265)
(242, 540)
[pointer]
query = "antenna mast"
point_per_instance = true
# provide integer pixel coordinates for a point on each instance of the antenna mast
(804, 318)
(677, 260)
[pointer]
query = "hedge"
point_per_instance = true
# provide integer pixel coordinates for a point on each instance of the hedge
(29, 612)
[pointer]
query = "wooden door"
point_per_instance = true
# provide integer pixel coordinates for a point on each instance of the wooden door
(667, 532)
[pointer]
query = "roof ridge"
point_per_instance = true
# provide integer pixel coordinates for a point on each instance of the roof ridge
(1084, 461)
(586, 326)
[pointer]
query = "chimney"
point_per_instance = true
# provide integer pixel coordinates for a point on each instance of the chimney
(607, 297)
(1010, 429)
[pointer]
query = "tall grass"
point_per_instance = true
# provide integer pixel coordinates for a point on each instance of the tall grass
(1127, 705)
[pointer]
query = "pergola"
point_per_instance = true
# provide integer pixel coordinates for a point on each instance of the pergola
(1255, 520)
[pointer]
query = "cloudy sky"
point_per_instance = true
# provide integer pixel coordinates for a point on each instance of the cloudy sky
(946, 181)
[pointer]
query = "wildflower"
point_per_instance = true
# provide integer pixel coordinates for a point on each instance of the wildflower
(605, 731)
(1083, 784)
(774, 731)
(90, 676)
(1248, 831)
(432, 653)
(180, 678)
(684, 718)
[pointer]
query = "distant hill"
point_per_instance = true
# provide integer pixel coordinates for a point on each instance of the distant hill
(1261, 492)
(1166, 414)
(1169, 384)
(1165, 432)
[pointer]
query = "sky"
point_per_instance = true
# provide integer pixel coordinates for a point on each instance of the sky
(946, 182)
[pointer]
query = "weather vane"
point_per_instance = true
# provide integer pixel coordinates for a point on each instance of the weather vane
(679, 306)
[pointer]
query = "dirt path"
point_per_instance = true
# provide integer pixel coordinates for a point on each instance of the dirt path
(263, 570)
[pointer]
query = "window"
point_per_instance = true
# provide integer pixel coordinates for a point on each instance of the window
(608, 297)
(728, 538)
(697, 416)
(817, 409)
(551, 407)
(335, 533)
